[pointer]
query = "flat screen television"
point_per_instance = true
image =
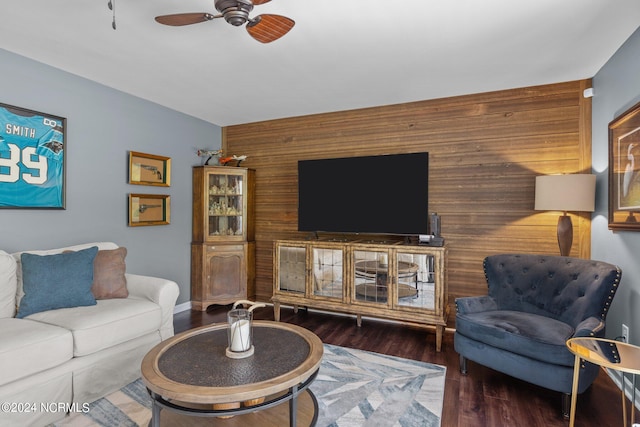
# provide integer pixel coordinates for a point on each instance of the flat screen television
(386, 194)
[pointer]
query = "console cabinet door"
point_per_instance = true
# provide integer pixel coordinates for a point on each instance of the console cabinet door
(372, 273)
(415, 282)
(290, 269)
(225, 272)
(220, 274)
(327, 272)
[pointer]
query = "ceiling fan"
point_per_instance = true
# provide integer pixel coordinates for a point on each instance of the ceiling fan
(264, 28)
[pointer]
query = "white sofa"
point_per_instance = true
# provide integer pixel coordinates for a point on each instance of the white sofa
(65, 358)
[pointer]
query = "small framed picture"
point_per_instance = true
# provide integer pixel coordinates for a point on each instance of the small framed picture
(149, 169)
(624, 171)
(33, 156)
(149, 209)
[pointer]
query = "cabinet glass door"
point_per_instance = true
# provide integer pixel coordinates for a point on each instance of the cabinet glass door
(225, 205)
(292, 269)
(371, 276)
(327, 272)
(415, 279)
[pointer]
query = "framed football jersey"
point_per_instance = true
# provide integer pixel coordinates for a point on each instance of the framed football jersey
(32, 159)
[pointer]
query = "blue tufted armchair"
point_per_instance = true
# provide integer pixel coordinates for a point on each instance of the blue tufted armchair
(535, 303)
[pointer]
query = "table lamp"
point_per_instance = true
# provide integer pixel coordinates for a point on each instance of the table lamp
(571, 192)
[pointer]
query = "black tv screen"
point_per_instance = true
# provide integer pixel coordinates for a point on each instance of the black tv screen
(385, 194)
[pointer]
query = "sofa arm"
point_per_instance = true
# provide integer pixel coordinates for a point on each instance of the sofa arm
(590, 327)
(161, 291)
(467, 305)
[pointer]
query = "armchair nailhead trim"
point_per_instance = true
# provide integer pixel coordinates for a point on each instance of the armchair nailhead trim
(611, 293)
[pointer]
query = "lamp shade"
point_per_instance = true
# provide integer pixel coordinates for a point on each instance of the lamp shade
(571, 192)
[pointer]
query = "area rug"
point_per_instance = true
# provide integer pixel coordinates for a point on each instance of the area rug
(354, 388)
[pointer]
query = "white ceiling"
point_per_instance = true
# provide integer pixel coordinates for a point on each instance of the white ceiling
(341, 55)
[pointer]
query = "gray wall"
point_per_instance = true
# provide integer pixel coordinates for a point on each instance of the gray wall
(616, 88)
(103, 125)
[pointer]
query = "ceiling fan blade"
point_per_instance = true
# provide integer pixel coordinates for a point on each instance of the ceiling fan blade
(257, 2)
(185, 18)
(267, 28)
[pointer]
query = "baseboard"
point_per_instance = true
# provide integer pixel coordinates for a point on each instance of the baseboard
(186, 306)
(182, 307)
(617, 377)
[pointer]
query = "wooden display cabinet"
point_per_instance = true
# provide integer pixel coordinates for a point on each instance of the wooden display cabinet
(393, 280)
(222, 247)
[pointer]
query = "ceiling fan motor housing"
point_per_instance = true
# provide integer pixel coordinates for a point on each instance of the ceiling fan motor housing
(235, 12)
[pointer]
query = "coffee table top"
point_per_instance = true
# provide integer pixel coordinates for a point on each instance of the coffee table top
(192, 366)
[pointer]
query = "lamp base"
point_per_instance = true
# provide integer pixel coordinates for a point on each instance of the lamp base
(565, 234)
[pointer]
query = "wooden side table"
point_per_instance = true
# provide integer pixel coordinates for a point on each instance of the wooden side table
(608, 354)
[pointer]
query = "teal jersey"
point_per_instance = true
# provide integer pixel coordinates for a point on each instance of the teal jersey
(31, 160)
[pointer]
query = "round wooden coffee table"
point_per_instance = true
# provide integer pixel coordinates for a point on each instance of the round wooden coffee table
(190, 374)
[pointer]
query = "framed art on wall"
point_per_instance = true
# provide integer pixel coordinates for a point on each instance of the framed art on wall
(149, 209)
(149, 169)
(32, 159)
(624, 171)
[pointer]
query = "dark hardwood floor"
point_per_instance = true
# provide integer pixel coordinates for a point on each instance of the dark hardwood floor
(481, 398)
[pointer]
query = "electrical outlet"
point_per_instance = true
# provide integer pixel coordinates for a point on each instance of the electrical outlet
(625, 333)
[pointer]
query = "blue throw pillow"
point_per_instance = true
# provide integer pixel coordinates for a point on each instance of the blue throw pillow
(56, 281)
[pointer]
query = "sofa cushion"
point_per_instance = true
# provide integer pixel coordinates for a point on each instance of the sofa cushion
(109, 322)
(8, 285)
(537, 337)
(56, 281)
(109, 280)
(28, 347)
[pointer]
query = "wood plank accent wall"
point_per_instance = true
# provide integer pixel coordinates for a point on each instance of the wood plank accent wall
(484, 153)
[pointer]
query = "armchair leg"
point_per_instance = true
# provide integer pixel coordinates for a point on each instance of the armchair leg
(463, 365)
(566, 405)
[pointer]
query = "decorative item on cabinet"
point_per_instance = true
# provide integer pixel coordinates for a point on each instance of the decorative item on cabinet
(209, 154)
(238, 159)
